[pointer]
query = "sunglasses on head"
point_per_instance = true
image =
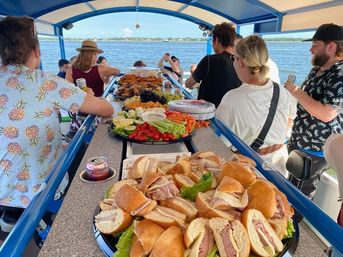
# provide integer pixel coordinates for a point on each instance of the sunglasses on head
(232, 58)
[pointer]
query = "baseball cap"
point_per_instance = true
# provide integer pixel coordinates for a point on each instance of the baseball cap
(327, 32)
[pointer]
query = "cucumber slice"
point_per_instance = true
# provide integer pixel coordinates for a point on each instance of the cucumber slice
(139, 122)
(130, 128)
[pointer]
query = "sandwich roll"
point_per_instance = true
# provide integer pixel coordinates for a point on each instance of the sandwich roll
(230, 194)
(242, 172)
(183, 181)
(134, 201)
(263, 239)
(114, 189)
(203, 244)
(231, 237)
(147, 233)
(202, 202)
(181, 205)
(141, 165)
(136, 248)
(169, 244)
(107, 204)
(263, 198)
(194, 230)
(166, 217)
(112, 221)
(243, 159)
(182, 166)
(162, 188)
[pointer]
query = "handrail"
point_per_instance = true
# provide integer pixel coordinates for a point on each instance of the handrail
(319, 219)
(177, 84)
(16, 242)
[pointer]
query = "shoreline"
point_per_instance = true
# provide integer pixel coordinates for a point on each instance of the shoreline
(163, 41)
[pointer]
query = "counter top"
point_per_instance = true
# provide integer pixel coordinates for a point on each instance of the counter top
(71, 233)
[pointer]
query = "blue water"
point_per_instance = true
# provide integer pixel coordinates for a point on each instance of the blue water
(291, 57)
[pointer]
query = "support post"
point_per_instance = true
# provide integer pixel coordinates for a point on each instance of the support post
(209, 45)
(59, 32)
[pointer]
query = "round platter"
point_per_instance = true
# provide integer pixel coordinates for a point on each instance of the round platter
(192, 106)
(150, 142)
(107, 243)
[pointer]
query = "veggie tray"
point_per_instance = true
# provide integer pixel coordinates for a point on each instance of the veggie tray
(181, 209)
(153, 126)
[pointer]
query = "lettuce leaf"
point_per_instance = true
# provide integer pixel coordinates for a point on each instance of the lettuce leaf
(213, 252)
(290, 229)
(124, 243)
(202, 186)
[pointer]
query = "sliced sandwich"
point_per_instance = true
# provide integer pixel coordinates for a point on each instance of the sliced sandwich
(141, 165)
(183, 181)
(147, 233)
(166, 217)
(112, 221)
(242, 172)
(230, 194)
(182, 166)
(263, 239)
(134, 201)
(202, 202)
(169, 244)
(205, 161)
(265, 197)
(243, 159)
(181, 205)
(158, 187)
(136, 248)
(231, 237)
(198, 238)
(111, 192)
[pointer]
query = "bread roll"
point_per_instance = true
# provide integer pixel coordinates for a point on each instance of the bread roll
(169, 244)
(181, 205)
(166, 217)
(134, 201)
(244, 173)
(112, 221)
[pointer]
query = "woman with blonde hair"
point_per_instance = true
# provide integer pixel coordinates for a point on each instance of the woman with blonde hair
(258, 110)
(84, 66)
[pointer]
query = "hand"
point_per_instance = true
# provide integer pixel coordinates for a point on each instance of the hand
(193, 67)
(291, 88)
(89, 91)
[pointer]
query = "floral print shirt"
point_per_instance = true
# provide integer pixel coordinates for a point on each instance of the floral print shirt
(30, 134)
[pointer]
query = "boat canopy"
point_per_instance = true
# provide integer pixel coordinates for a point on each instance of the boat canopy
(268, 16)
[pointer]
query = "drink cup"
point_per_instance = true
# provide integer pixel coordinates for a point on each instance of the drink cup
(81, 83)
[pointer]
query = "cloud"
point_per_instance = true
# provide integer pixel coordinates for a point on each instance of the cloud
(127, 32)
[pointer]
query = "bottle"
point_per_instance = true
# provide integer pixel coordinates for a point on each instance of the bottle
(81, 83)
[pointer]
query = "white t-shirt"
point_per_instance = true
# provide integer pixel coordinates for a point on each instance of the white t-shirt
(273, 71)
(245, 110)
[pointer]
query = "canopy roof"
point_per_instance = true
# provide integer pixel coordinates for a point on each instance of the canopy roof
(268, 15)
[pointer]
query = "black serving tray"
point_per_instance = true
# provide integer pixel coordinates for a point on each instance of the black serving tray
(107, 243)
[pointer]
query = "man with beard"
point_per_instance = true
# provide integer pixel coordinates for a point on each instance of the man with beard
(320, 99)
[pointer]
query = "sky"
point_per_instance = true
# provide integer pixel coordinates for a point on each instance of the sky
(151, 25)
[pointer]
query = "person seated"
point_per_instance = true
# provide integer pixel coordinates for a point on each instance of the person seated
(101, 60)
(63, 65)
(30, 134)
(174, 69)
(139, 63)
(245, 109)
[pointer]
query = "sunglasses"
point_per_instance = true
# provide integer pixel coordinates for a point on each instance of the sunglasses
(233, 57)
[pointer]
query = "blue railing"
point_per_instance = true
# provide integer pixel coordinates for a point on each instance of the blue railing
(322, 222)
(16, 242)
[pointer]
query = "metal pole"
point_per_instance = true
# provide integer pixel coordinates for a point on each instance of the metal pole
(59, 33)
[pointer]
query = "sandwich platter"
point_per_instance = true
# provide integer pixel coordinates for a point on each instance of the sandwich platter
(198, 205)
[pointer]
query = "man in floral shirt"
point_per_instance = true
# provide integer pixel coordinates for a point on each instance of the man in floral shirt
(320, 101)
(30, 99)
